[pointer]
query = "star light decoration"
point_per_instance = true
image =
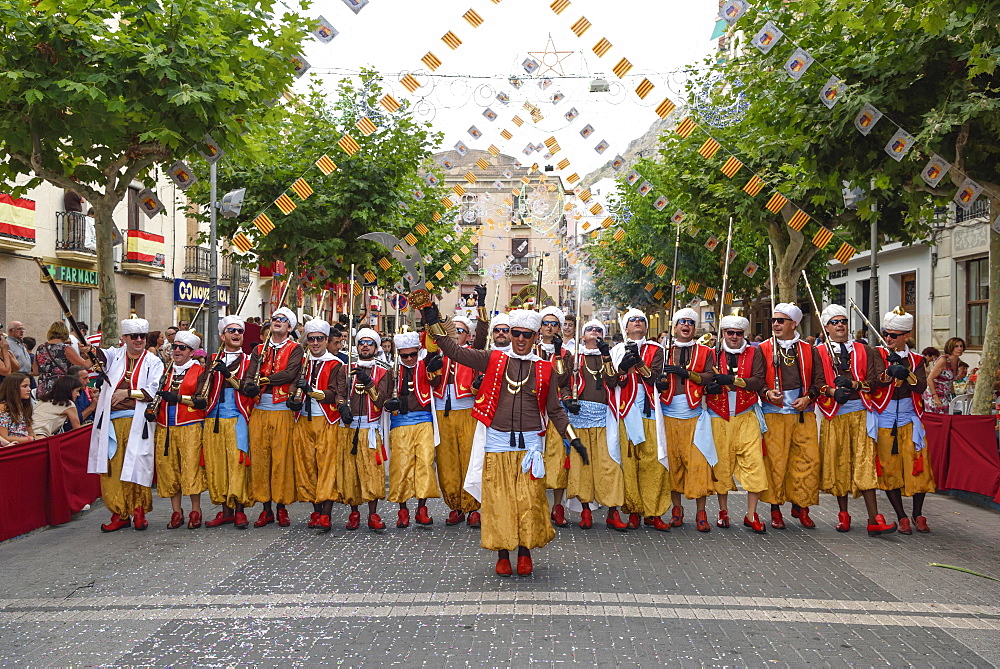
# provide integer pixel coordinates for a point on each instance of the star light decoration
(550, 59)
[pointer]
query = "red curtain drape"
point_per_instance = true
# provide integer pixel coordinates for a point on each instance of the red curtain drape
(964, 453)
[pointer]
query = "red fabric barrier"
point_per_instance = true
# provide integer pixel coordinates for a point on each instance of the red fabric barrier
(964, 453)
(45, 482)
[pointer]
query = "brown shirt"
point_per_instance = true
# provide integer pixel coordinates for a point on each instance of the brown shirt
(592, 368)
(290, 374)
(412, 403)
(358, 398)
(905, 388)
(842, 367)
(310, 374)
(682, 356)
(754, 382)
(564, 379)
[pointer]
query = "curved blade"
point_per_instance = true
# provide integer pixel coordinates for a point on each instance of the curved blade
(407, 255)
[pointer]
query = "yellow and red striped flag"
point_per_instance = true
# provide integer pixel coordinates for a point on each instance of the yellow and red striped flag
(644, 88)
(435, 217)
(366, 126)
(242, 243)
(710, 294)
(664, 108)
(660, 270)
(452, 40)
(709, 148)
(473, 18)
(581, 26)
(285, 204)
(573, 178)
(389, 103)
(457, 258)
(798, 220)
(410, 82)
(649, 287)
(822, 237)
(585, 195)
(607, 222)
(506, 134)
(348, 144)
(446, 201)
(563, 164)
(658, 295)
(493, 150)
(754, 186)
(622, 68)
(518, 121)
(470, 177)
(845, 253)
(410, 238)
(693, 287)
(301, 188)
(596, 209)
(647, 261)
(384, 263)
(482, 163)
(732, 166)
(602, 47)
(559, 6)
(619, 235)
(369, 276)
(421, 229)
(550, 142)
(326, 165)
(685, 127)
(431, 61)
(776, 202)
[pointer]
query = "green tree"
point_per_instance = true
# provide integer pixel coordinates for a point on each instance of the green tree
(94, 93)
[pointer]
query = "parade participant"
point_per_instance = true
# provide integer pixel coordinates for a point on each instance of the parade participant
(844, 373)
(597, 426)
(731, 398)
(315, 443)
(500, 328)
(454, 396)
(122, 441)
(690, 447)
(569, 333)
(901, 438)
(179, 415)
(557, 460)
(275, 365)
(226, 436)
(365, 387)
(517, 397)
(413, 435)
(647, 479)
(791, 453)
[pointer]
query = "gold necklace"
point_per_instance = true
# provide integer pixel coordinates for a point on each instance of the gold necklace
(787, 359)
(596, 373)
(514, 387)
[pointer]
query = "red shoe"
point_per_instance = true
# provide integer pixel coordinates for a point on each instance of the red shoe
(283, 520)
(803, 516)
(723, 519)
(558, 519)
(353, 520)
(403, 518)
(313, 520)
(921, 524)
(524, 565)
(586, 519)
(240, 520)
(424, 518)
(375, 522)
(615, 521)
(677, 516)
(880, 527)
(220, 519)
(474, 519)
(323, 524)
(845, 522)
(265, 518)
(777, 522)
(757, 525)
(904, 526)
(454, 518)
(139, 519)
(657, 524)
(633, 521)
(194, 520)
(117, 523)
(503, 567)
(176, 520)
(701, 522)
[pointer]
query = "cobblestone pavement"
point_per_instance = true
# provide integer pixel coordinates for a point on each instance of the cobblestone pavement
(224, 597)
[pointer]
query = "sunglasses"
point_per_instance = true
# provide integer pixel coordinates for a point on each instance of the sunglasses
(461, 331)
(182, 347)
(317, 338)
(234, 330)
(780, 321)
(408, 355)
(895, 335)
(636, 319)
(837, 321)
(551, 324)
(365, 342)
(733, 333)
(501, 330)
(685, 321)
(523, 334)
(279, 319)
(139, 335)
(593, 328)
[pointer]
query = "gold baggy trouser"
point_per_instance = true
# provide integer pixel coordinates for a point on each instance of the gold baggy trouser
(556, 473)
(360, 475)
(179, 470)
(897, 470)
(647, 482)
(690, 472)
(272, 468)
(315, 445)
(515, 508)
(123, 497)
(226, 470)
(791, 457)
(453, 454)
(846, 455)
(737, 444)
(411, 463)
(602, 480)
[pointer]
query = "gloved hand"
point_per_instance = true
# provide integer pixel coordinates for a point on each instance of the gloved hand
(220, 367)
(841, 395)
(478, 381)
(844, 381)
(303, 385)
(662, 383)
(628, 362)
(900, 372)
(603, 347)
(557, 346)
(894, 358)
(293, 405)
(172, 398)
(361, 376)
(572, 405)
(434, 362)
(724, 379)
(632, 348)
(251, 390)
(200, 403)
(676, 369)
(713, 389)
(392, 404)
(480, 295)
(345, 413)
(581, 449)
(431, 314)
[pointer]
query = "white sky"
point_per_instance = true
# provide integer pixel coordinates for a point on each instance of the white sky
(657, 36)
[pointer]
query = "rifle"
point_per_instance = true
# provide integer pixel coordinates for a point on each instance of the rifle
(673, 297)
(826, 338)
(576, 336)
(725, 282)
(68, 315)
(774, 337)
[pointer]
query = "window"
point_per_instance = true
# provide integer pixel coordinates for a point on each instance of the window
(137, 304)
(133, 209)
(838, 294)
(977, 295)
(908, 293)
(78, 300)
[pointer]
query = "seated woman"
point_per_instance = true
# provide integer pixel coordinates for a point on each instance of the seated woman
(51, 415)
(15, 410)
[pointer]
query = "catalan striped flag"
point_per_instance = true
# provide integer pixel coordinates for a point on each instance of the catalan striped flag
(731, 167)
(410, 238)
(285, 204)
(366, 126)
(602, 47)
(664, 108)
(658, 295)
(550, 142)
(446, 201)
(482, 163)
(648, 287)
(518, 121)
(431, 61)
(647, 261)
(776, 202)
(301, 188)
(525, 180)
(845, 253)
(822, 237)
(435, 217)
(559, 6)
(506, 134)
(581, 26)
(709, 148)
(573, 178)
(596, 209)
(452, 40)
(585, 195)
(563, 164)
(473, 18)
(384, 263)
(660, 270)
(457, 258)
(429, 285)
(493, 150)
(798, 220)
(369, 276)
(389, 103)
(242, 243)
(439, 275)
(754, 186)
(607, 222)
(685, 127)
(619, 235)
(421, 229)
(693, 287)
(644, 88)
(622, 68)
(728, 298)
(326, 165)
(710, 294)
(410, 82)
(348, 144)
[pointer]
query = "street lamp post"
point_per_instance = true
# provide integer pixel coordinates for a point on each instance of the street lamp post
(230, 207)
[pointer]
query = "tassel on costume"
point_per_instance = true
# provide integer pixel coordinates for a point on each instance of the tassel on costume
(895, 439)
(878, 467)
(566, 463)
(447, 405)
(520, 440)
(145, 428)
(763, 447)
(918, 465)
(354, 443)
(241, 457)
(385, 456)
(513, 441)
(802, 418)
(647, 408)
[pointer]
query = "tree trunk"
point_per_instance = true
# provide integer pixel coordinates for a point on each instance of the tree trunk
(982, 399)
(107, 291)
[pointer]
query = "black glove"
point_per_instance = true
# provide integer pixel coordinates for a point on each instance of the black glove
(392, 404)
(676, 369)
(841, 395)
(581, 449)
(431, 314)
(434, 362)
(557, 346)
(603, 347)
(361, 376)
(345, 413)
(480, 296)
(303, 385)
(478, 381)
(172, 398)
(221, 368)
(844, 381)
(713, 389)
(900, 372)
(99, 382)
(627, 363)
(662, 383)
(200, 403)
(724, 379)
(572, 405)
(894, 358)
(251, 390)
(293, 405)
(632, 348)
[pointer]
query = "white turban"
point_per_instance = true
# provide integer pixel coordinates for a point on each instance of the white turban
(898, 320)
(595, 324)
(226, 321)
(317, 325)
(407, 340)
(367, 333)
(734, 323)
(631, 313)
(188, 338)
(500, 319)
(832, 311)
(525, 319)
(464, 321)
(789, 310)
(287, 313)
(553, 311)
(686, 312)
(135, 326)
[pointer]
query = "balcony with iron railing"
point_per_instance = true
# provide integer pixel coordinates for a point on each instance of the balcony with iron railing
(979, 209)
(196, 266)
(75, 237)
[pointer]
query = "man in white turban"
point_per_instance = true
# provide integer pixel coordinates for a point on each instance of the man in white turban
(792, 440)
(557, 460)
(901, 438)
(846, 372)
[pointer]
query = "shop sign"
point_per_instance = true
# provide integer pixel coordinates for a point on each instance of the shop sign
(73, 275)
(194, 292)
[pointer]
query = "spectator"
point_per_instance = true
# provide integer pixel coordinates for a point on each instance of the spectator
(963, 373)
(15, 332)
(389, 348)
(931, 355)
(569, 332)
(15, 410)
(154, 342)
(336, 342)
(73, 341)
(183, 325)
(50, 416)
(86, 401)
(55, 357)
(941, 379)
(8, 363)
